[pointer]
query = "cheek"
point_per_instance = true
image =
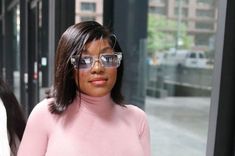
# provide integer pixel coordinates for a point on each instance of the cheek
(112, 77)
(82, 77)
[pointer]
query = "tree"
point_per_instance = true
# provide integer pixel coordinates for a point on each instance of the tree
(162, 34)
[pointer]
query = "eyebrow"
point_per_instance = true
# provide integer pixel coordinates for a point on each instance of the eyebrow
(104, 49)
(85, 51)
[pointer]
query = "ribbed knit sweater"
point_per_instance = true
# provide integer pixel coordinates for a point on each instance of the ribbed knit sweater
(91, 126)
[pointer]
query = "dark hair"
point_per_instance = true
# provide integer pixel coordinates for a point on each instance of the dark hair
(71, 43)
(15, 117)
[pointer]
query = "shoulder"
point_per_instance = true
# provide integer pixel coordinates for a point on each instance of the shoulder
(4, 144)
(41, 111)
(3, 115)
(133, 114)
(2, 108)
(139, 117)
(42, 107)
(41, 115)
(134, 110)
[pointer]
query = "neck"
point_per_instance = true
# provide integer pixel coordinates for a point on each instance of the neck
(97, 105)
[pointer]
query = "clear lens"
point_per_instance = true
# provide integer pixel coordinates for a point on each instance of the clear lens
(106, 60)
(109, 60)
(85, 62)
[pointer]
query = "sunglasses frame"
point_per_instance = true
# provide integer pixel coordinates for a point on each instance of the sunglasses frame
(76, 58)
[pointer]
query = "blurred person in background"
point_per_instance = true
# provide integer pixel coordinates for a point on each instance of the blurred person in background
(12, 121)
(84, 113)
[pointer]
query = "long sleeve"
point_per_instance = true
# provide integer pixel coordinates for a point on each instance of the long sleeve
(145, 136)
(35, 138)
(4, 143)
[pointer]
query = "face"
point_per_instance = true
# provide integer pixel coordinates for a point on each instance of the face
(96, 80)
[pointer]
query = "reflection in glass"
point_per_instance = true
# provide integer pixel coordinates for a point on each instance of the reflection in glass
(180, 63)
(89, 10)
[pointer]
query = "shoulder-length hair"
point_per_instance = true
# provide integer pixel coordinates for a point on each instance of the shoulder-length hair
(16, 120)
(71, 43)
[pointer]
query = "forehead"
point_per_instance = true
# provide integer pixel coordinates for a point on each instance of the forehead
(97, 46)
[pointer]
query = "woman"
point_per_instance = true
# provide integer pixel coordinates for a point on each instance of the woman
(86, 115)
(4, 143)
(12, 121)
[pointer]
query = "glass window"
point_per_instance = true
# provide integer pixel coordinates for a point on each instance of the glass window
(178, 86)
(205, 2)
(87, 18)
(89, 10)
(16, 44)
(201, 55)
(205, 13)
(183, 11)
(182, 1)
(203, 40)
(157, 10)
(192, 55)
(204, 25)
(88, 6)
(158, 1)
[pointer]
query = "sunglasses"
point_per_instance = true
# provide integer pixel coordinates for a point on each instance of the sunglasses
(107, 60)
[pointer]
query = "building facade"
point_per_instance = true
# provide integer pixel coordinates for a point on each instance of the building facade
(89, 10)
(199, 16)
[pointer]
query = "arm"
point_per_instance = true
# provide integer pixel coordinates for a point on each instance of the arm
(4, 144)
(145, 136)
(35, 138)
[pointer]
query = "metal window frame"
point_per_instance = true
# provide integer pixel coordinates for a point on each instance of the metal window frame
(221, 121)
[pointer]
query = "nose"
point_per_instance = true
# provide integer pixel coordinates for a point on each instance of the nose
(97, 67)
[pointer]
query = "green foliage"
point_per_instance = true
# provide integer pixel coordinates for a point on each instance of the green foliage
(162, 34)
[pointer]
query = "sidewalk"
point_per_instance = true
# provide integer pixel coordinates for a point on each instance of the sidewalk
(178, 126)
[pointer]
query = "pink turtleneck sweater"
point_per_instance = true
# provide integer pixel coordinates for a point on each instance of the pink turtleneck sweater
(92, 126)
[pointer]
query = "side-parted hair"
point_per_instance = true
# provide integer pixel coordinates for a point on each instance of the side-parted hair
(16, 120)
(71, 43)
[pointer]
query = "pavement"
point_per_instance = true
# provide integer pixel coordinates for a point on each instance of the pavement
(178, 125)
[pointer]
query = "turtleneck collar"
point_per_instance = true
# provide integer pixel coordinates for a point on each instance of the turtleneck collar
(100, 106)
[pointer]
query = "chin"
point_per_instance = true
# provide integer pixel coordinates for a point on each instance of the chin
(97, 92)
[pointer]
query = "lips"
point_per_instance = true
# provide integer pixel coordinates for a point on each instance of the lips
(98, 81)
